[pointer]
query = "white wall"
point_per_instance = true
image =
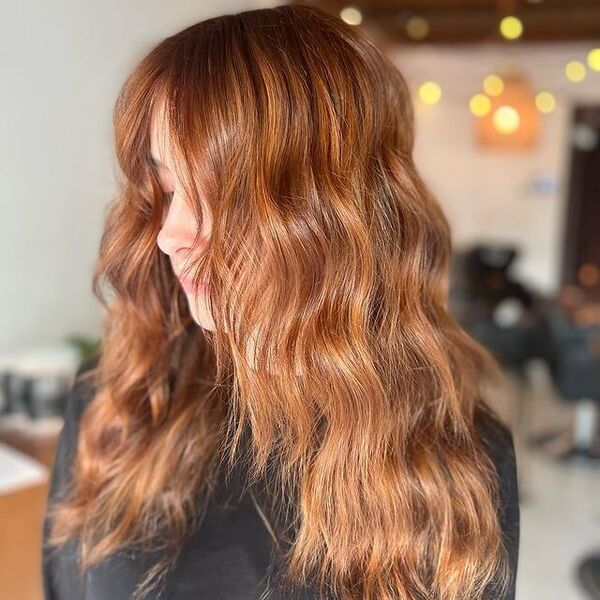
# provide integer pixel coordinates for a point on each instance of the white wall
(62, 65)
(486, 194)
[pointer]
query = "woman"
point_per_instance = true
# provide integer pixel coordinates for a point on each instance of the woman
(282, 404)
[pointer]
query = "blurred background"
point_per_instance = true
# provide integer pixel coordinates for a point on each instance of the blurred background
(507, 106)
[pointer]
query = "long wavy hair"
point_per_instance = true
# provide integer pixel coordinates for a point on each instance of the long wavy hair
(334, 354)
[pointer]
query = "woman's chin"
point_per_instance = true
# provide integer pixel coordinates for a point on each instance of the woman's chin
(200, 312)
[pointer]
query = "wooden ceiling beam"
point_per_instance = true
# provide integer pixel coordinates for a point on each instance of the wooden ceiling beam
(476, 26)
(475, 21)
(427, 5)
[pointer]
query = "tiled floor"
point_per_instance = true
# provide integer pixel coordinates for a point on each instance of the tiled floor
(560, 502)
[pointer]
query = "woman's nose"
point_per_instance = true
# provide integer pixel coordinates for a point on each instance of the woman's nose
(178, 230)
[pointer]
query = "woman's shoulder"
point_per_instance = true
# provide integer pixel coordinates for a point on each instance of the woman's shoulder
(499, 443)
(83, 388)
(79, 397)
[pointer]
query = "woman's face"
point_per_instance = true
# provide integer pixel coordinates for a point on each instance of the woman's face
(179, 227)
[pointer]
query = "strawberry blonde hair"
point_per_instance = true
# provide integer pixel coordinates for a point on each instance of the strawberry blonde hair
(334, 354)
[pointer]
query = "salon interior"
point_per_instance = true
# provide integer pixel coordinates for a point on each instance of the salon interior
(506, 97)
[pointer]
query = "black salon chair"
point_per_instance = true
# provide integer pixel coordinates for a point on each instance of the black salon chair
(503, 314)
(574, 362)
(588, 575)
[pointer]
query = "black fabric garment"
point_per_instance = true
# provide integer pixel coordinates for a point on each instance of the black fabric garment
(232, 555)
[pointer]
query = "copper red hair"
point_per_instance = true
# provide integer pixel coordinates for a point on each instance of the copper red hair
(334, 347)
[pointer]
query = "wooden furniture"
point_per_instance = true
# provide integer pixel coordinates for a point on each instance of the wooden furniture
(26, 458)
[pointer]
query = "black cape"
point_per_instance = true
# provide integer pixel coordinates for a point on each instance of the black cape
(232, 555)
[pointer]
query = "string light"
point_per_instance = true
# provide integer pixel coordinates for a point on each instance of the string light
(593, 59)
(417, 28)
(588, 274)
(351, 15)
(480, 105)
(575, 71)
(505, 117)
(493, 85)
(545, 102)
(430, 92)
(511, 27)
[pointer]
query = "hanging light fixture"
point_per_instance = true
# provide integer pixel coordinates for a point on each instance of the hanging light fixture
(511, 119)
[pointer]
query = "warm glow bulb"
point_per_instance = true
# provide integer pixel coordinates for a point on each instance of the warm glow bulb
(575, 71)
(506, 119)
(511, 27)
(588, 274)
(430, 92)
(593, 59)
(351, 15)
(493, 85)
(545, 102)
(480, 105)
(417, 28)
